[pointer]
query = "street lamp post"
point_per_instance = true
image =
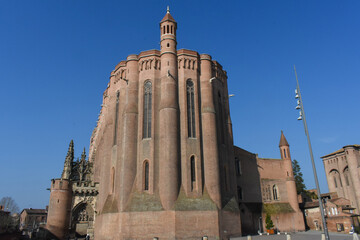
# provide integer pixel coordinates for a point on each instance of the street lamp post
(300, 106)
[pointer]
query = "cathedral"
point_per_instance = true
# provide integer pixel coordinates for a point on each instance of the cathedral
(162, 163)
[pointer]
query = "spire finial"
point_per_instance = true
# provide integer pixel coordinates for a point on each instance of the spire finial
(68, 161)
(168, 9)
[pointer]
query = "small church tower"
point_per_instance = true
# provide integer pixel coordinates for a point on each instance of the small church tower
(290, 181)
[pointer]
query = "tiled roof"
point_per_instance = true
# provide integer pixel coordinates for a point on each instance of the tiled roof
(311, 204)
(283, 141)
(168, 17)
(341, 150)
(35, 211)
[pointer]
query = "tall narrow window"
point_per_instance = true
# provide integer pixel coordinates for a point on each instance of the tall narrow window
(190, 108)
(221, 118)
(147, 110)
(192, 172)
(275, 192)
(284, 153)
(239, 192)
(226, 179)
(335, 182)
(112, 180)
(116, 117)
(146, 175)
(238, 166)
(347, 180)
(340, 181)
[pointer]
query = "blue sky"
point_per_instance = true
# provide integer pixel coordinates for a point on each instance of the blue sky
(56, 58)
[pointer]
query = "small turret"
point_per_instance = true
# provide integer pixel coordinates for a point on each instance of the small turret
(284, 147)
(58, 219)
(168, 28)
(288, 172)
(83, 156)
(68, 161)
(82, 165)
(168, 24)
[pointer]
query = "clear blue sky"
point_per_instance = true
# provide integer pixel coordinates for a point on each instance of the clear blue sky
(56, 58)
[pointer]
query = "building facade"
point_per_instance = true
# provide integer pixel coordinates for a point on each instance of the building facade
(72, 202)
(31, 219)
(267, 186)
(162, 161)
(162, 151)
(339, 214)
(342, 169)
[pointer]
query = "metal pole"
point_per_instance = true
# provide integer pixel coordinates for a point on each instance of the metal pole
(302, 115)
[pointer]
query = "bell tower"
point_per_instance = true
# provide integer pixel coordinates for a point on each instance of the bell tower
(168, 28)
(169, 114)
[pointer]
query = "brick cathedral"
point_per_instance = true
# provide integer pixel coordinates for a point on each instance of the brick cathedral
(162, 161)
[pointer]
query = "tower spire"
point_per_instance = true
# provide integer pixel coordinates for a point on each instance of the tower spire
(68, 161)
(83, 156)
(168, 9)
(283, 141)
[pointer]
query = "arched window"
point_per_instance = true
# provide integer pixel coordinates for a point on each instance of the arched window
(167, 29)
(171, 29)
(346, 175)
(336, 177)
(146, 175)
(164, 30)
(147, 110)
(190, 108)
(112, 180)
(192, 172)
(284, 153)
(116, 117)
(275, 192)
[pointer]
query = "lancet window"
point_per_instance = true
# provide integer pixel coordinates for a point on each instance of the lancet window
(192, 172)
(335, 182)
(275, 192)
(116, 117)
(146, 175)
(221, 118)
(238, 167)
(240, 193)
(112, 180)
(190, 108)
(147, 109)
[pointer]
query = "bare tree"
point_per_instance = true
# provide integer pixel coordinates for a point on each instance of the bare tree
(9, 205)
